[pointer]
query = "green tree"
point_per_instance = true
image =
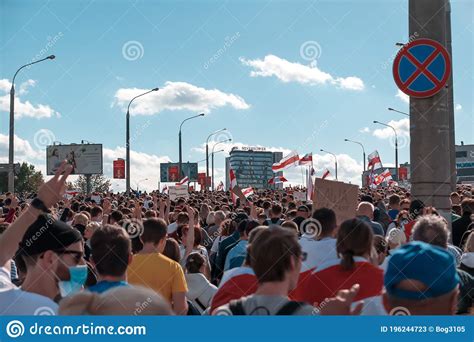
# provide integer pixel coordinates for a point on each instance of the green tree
(99, 183)
(27, 179)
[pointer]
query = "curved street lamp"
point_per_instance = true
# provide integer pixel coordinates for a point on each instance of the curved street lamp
(212, 153)
(207, 151)
(396, 145)
(180, 146)
(127, 143)
(11, 147)
(335, 159)
(363, 150)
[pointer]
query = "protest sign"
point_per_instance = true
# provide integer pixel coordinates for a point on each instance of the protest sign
(299, 196)
(176, 191)
(338, 196)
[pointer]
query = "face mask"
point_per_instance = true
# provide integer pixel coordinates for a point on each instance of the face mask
(78, 276)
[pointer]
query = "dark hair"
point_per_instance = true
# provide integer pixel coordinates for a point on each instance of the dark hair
(272, 253)
(416, 208)
(110, 250)
(96, 211)
(194, 262)
(394, 199)
(154, 230)
(353, 239)
(251, 225)
(276, 209)
(116, 215)
(172, 250)
(8, 201)
(327, 219)
(467, 206)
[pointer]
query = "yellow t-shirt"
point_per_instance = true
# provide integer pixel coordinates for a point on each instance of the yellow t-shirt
(157, 272)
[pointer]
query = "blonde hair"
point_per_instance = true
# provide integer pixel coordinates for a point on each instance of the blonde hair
(469, 245)
(81, 218)
(119, 301)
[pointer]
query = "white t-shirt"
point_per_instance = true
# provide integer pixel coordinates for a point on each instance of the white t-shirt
(317, 252)
(14, 301)
(172, 227)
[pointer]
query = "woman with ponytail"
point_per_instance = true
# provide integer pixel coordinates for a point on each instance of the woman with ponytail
(354, 265)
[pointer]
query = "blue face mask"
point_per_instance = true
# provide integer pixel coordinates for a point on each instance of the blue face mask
(78, 277)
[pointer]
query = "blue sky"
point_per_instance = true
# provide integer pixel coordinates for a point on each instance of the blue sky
(287, 75)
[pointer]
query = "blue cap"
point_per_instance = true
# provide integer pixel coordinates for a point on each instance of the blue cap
(431, 265)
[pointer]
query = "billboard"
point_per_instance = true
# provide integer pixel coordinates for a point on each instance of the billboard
(119, 169)
(169, 172)
(86, 159)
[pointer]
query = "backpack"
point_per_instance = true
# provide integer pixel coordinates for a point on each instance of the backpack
(237, 308)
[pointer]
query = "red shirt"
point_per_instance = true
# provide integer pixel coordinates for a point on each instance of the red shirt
(328, 279)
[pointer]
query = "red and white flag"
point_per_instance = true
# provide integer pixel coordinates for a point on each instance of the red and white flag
(247, 192)
(374, 161)
(325, 174)
(277, 179)
(183, 181)
(385, 176)
(233, 184)
(220, 187)
(292, 159)
(307, 159)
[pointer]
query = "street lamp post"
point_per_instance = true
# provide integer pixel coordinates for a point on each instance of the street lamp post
(212, 158)
(335, 160)
(180, 146)
(213, 147)
(398, 111)
(396, 146)
(207, 151)
(127, 143)
(11, 150)
(363, 150)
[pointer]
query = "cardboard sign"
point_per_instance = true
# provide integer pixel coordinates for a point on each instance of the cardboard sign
(176, 191)
(299, 196)
(338, 196)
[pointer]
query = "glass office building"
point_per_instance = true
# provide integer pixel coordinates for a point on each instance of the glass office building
(253, 167)
(465, 163)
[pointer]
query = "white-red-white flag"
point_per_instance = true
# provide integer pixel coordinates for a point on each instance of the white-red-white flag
(277, 179)
(325, 174)
(374, 160)
(307, 159)
(247, 192)
(233, 184)
(183, 181)
(385, 176)
(292, 159)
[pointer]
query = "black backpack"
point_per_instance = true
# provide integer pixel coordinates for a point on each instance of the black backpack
(237, 308)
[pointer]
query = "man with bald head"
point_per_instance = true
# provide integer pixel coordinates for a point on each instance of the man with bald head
(365, 212)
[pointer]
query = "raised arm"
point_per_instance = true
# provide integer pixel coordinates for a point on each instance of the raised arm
(49, 193)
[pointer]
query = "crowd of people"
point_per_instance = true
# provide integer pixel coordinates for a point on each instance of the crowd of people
(208, 254)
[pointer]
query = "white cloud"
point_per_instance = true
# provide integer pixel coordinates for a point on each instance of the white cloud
(177, 96)
(364, 130)
(287, 71)
(24, 109)
(401, 126)
(458, 108)
(23, 150)
(402, 96)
